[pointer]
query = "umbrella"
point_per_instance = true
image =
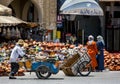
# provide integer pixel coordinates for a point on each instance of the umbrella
(71, 8)
(81, 7)
(10, 20)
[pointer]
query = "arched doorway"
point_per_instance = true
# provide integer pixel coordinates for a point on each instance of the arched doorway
(25, 8)
(27, 11)
(32, 12)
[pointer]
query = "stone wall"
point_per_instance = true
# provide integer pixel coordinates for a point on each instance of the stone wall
(5, 2)
(46, 11)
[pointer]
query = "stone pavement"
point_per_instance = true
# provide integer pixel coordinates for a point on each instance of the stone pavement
(106, 77)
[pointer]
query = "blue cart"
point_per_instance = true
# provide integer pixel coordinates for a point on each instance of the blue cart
(78, 63)
(45, 69)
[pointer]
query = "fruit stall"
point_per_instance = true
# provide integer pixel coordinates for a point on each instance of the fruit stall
(41, 49)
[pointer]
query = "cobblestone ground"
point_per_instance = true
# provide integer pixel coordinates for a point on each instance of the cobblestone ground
(106, 77)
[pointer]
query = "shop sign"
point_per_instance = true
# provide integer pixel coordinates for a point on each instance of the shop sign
(59, 25)
(84, 11)
(59, 21)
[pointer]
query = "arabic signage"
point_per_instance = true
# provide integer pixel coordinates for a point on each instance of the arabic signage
(84, 11)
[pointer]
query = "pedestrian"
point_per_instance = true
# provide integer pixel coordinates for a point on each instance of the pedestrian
(100, 55)
(92, 51)
(16, 54)
(73, 39)
(46, 37)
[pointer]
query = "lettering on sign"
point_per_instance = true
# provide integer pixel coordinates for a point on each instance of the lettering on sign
(84, 11)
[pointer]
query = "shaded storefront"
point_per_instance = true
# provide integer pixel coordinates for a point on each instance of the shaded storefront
(13, 28)
(85, 22)
(112, 24)
(8, 24)
(42, 12)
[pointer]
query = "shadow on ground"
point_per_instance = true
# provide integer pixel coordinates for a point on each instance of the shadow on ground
(39, 79)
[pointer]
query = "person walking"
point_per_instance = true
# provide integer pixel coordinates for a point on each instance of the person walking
(100, 55)
(16, 54)
(92, 51)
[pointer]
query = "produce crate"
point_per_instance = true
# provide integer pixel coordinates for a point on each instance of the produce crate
(71, 60)
(27, 64)
(70, 67)
(69, 71)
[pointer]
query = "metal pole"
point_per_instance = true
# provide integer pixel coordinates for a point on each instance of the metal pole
(83, 36)
(75, 27)
(78, 25)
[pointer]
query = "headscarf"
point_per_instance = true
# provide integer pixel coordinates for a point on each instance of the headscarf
(100, 39)
(90, 39)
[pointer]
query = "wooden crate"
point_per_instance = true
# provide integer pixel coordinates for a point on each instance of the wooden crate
(69, 67)
(71, 60)
(69, 71)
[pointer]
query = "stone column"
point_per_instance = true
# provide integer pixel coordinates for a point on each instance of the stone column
(53, 14)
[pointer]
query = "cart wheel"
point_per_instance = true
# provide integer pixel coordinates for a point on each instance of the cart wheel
(84, 69)
(43, 72)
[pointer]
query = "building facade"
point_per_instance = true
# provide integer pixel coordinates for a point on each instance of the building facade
(40, 11)
(108, 25)
(45, 13)
(111, 24)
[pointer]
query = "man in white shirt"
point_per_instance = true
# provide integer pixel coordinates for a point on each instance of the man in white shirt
(15, 56)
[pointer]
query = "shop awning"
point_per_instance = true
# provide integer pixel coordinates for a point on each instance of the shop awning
(10, 21)
(5, 10)
(30, 25)
(81, 7)
(13, 21)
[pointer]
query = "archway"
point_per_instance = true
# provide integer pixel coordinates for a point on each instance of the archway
(32, 8)
(21, 7)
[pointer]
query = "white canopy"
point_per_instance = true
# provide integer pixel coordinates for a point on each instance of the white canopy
(10, 20)
(13, 21)
(5, 10)
(81, 7)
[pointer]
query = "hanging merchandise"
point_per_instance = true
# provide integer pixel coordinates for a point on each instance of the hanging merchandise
(4, 32)
(18, 35)
(0, 30)
(13, 33)
(8, 34)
